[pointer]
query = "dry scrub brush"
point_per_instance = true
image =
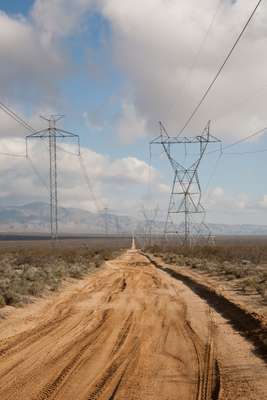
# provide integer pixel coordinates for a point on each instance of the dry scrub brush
(242, 263)
(30, 272)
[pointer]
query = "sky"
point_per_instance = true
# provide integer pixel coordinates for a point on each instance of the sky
(114, 69)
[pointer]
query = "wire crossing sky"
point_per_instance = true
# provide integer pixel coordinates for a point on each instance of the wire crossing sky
(116, 68)
(195, 110)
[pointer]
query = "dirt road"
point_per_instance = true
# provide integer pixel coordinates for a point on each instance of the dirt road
(128, 332)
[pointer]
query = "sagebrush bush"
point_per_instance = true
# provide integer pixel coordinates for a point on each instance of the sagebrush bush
(243, 263)
(29, 272)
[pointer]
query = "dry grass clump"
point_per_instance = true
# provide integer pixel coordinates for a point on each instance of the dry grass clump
(243, 264)
(30, 272)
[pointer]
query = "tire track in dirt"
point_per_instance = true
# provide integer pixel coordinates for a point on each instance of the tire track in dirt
(245, 323)
(84, 342)
(210, 387)
(124, 334)
(223, 379)
(111, 376)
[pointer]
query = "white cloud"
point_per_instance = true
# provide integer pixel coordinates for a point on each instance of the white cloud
(263, 202)
(59, 18)
(11, 128)
(29, 68)
(218, 192)
(131, 126)
(155, 43)
(163, 188)
(217, 199)
(132, 169)
(94, 120)
(114, 181)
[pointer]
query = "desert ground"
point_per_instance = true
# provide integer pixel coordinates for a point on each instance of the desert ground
(127, 331)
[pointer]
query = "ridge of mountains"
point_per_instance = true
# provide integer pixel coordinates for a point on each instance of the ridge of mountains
(34, 217)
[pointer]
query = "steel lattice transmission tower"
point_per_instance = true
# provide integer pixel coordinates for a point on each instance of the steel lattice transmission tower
(53, 135)
(105, 216)
(186, 214)
(150, 217)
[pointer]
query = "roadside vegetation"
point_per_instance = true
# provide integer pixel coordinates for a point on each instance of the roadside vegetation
(241, 263)
(27, 273)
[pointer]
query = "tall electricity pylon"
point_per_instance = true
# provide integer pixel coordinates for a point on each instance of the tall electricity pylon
(185, 198)
(53, 134)
(150, 220)
(105, 215)
(117, 224)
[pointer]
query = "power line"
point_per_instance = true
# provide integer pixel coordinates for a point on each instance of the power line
(27, 126)
(192, 68)
(12, 155)
(12, 114)
(52, 134)
(16, 117)
(66, 151)
(220, 70)
(35, 170)
(234, 154)
(254, 134)
(245, 138)
(212, 175)
(246, 152)
(88, 182)
(186, 193)
(98, 206)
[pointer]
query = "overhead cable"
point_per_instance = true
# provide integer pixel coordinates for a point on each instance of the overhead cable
(196, 57)
(246, 152)
(12, 155)
(250, 136)
(35, 170)
(16, 117)
(220, 69)
(98, 206)
(245, 138)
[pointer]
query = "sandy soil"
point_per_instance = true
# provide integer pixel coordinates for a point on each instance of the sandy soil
(128, 332)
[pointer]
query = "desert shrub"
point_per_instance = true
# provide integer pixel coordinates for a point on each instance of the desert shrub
(242, 262)
(28, 272)
(76, 271)
(35, 288)
(2, 301)
(11, 297)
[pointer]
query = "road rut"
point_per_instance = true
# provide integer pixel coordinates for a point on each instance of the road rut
(124, 333)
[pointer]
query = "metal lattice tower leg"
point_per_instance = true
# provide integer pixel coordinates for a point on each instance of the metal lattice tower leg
(150, 220)
(185, 198)
(53, 180)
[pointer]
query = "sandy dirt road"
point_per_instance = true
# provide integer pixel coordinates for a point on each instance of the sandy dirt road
(128, 332)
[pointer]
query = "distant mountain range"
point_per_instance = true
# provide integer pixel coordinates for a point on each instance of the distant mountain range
(34, 218)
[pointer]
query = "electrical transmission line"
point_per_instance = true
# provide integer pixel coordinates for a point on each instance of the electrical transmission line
(28, 127)
(195, 110)
(102, 210)
(186, 193)
(53, 134)
(16, 117)
(196, 57)
(239, 141)
(99, 207)
(150, 217)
